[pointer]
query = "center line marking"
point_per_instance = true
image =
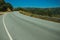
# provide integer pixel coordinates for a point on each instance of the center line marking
(6, 28)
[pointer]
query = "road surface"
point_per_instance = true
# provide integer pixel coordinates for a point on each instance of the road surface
(16, 26)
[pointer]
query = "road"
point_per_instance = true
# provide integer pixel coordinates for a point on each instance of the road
(16, 26)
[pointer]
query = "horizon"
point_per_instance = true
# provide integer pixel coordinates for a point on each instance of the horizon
(35, 3)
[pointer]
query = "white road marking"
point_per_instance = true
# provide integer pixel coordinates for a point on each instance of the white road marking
(6, 28)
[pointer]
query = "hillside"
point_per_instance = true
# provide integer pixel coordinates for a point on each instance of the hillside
(5, 6)
(51, 14)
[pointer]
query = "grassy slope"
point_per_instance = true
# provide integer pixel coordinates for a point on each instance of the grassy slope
(41, 17)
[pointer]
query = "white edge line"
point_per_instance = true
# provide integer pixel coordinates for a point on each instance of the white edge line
(6, 28)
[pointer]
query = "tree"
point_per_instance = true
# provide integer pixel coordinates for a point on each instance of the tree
(8, 5)
(4, 6)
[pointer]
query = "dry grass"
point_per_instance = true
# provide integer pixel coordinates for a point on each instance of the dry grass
(1, 13)
(41, 17)
(26, 13)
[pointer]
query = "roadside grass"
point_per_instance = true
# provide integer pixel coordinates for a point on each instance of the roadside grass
(41, 17)
(1, 13)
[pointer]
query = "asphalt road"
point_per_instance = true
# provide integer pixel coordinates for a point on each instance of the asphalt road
(16, 26)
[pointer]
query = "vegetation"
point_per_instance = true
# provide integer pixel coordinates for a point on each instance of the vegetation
(52, 14)
(4, 6)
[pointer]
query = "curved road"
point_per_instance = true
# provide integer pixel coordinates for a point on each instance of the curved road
(16, 26)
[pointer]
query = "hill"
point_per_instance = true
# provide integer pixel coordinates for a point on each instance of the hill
(5, 6)
(51, 14)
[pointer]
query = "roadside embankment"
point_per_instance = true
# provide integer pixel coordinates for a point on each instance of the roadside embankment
(54, 19)
(1, 13)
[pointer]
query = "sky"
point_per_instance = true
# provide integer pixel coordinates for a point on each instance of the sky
(35, 3)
